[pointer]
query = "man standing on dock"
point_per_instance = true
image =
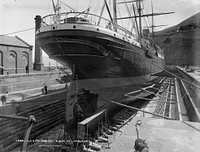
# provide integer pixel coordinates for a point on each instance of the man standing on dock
(4, 99)
(27, 68)
(2, 69)
(44, 89)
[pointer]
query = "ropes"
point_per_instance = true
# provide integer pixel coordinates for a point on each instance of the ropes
(18, 31)
(68, 6)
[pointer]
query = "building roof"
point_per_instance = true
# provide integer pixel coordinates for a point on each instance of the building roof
(13, 41)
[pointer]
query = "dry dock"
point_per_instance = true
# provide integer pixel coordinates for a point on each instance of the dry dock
(170, 121)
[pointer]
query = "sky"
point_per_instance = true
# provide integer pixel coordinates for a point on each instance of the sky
(18, 15)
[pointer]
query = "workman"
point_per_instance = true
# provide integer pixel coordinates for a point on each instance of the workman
(1, 69)
(27, 69)
(4, 99)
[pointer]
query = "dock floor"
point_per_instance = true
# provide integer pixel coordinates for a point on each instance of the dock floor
(161, 135)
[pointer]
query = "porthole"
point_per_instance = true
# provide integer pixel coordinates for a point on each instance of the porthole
(74, 27)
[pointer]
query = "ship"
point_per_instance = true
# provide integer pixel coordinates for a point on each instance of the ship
(108, 61)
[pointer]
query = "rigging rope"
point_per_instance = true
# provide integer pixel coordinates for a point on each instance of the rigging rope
(120, 15)
(77, 4)
(132, 20)
(146, 19)
(89, 4)
(67, 6)
(18, 31)
(96, 7)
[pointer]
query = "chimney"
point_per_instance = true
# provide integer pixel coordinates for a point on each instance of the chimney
(38, 64)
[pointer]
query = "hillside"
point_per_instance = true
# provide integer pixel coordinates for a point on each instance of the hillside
(181, 43)
(191, 23)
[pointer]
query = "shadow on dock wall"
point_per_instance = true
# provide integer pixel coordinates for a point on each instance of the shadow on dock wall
(17, 107)
(13, 83)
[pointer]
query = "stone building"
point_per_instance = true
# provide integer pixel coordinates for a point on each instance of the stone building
(15, 54)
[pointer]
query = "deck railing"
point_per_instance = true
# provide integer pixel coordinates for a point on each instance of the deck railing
(85, 18)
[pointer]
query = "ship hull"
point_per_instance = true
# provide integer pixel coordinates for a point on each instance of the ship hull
(105, 68)
(92, 54)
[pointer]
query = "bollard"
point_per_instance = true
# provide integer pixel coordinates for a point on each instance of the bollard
(137, 125)
(31, 120)
(140, 145)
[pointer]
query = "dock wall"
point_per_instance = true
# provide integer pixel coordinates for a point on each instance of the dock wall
(19, 82)
(189, 95)
(18, 107)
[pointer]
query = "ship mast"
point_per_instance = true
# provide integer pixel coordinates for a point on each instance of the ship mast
(104, 5)
(140, 17)
(136, 23)
(108, 11)
(56, 11)
(139, 8)
(115, 14)
(152, 21)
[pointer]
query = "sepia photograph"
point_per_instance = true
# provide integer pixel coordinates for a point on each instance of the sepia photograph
(99, 75)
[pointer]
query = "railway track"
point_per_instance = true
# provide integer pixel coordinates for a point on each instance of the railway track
(166, 98)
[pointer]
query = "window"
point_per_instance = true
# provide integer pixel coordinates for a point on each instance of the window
(12, 54)
(24, 55)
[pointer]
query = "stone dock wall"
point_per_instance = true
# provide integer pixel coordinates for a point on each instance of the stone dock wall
(19, 82)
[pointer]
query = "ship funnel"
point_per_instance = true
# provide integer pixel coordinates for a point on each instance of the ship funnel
(38, 64)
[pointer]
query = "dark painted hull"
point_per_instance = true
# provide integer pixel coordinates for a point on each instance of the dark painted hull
(97, 55)
(105, 68)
